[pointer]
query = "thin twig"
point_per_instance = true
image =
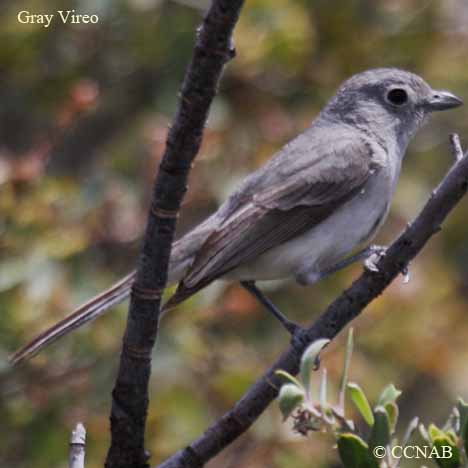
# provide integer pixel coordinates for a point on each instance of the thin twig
(338, 314)
(212, 50)
(455, 146)
(77, 447)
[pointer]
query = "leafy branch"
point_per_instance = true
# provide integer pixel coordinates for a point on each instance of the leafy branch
(378, 446)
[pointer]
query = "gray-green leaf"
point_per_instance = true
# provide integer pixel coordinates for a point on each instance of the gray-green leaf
(309, 360)
(344, 374)
(380, 433)
(389, 395)
(287, 377)
(354, 452)
(359, 399)
(289, 398)
(412, 426)
(392, 412)
(449, 454)
(463, 410)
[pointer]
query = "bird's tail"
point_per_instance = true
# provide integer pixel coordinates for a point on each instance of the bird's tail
(85, 313)
(182, 255)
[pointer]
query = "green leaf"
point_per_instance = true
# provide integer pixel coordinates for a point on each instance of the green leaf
(441, 442)
(389, 395)
(310, 358)
(360, 401)
(452, 436)
(445, 447)
(380, 433)
(289, 398)
(463, 411)
(347, 362)
(434, 432)
(354, 452)
(392, 412)
(288, 377)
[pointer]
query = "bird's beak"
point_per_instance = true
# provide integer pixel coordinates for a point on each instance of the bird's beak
(442, 100)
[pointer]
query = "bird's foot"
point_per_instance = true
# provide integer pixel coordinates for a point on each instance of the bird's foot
(376, 252)
(406, 274)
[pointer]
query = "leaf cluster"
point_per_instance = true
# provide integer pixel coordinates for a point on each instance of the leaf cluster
(377, 445)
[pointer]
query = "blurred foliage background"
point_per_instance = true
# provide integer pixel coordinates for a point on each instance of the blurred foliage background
(84, 111)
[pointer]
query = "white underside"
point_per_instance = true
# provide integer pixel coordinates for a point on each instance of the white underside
(352, 225)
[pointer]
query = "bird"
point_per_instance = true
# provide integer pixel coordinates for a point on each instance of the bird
(320, 198)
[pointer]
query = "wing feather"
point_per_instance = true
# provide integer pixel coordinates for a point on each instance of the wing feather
(292, 204)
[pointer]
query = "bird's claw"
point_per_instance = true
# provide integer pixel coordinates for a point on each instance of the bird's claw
(376, 252)
(406, 274)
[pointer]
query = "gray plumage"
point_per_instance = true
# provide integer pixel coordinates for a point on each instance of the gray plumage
(321, 196)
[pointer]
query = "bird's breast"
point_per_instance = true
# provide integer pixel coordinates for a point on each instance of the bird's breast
(354, 223)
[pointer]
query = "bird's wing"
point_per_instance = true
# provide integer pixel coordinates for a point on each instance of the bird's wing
(301, 196)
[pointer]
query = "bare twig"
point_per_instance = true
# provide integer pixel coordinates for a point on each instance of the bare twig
(456, 146)
(77, 447)
(130, 395)
(339, 313)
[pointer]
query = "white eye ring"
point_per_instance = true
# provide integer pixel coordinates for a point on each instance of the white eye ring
(397, 97)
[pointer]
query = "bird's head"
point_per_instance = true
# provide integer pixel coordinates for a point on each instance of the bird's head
(388, 102)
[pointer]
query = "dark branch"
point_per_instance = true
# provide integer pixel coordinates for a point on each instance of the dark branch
(338, 314)
(130, 395)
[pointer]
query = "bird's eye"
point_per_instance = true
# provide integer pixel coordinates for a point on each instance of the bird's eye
(397, 96)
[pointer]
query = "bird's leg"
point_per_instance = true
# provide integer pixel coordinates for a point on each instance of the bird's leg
(370, 255)
(298, 333)
(250, 286)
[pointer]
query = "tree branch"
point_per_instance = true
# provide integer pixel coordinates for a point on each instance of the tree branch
(212, 50)
(338, 314)
(77, 447)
